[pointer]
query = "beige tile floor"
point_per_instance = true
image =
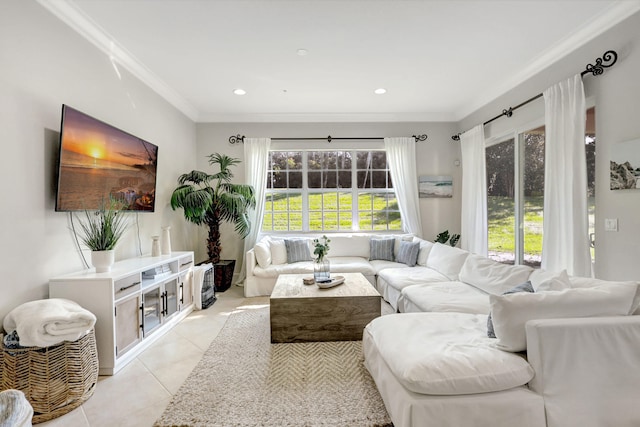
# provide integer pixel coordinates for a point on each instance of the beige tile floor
(137, 395)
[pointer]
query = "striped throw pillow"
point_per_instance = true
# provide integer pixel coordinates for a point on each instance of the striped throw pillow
(297, 250)
(408, 253)
(381, 249)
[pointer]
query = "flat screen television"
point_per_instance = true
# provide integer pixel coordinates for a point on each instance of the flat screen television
(99, 162)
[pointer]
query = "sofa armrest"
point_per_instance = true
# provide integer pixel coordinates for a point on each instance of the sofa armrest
(250, 262)
(587, 370)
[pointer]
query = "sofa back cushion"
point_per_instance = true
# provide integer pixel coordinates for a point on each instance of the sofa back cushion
(423, 253)
(349, 245)
(262, 250)
(278, 251)
(511, 312)
(297, 250)
(381, 248)
(589, 282)
(543, 280)
(491, 276)
(447, 260)
(408, 253)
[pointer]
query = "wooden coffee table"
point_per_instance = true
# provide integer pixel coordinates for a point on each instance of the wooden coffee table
(302, 312)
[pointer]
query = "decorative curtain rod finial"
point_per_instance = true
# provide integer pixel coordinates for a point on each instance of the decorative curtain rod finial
(609, 58)
(419, 138)
(456, 137)
(236, 139)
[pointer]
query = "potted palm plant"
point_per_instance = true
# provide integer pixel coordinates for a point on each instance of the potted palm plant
(100, 231)
(210, 199)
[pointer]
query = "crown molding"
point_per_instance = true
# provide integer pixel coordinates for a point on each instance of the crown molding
(590, 30)
(71, 15)
(324, 117)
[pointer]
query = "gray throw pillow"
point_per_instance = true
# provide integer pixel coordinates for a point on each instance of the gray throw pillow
(297, 250)
(523, 287)
(408, 253)
(381, 249)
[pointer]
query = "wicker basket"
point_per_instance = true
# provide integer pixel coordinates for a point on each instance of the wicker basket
(56, 379)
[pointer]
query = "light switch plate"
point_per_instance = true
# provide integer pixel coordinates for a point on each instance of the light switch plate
(611, 224)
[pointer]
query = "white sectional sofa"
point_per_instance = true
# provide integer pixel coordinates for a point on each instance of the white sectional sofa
(566, 352)
(349, 253)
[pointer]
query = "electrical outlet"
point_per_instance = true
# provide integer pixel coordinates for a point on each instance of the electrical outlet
(611, 224)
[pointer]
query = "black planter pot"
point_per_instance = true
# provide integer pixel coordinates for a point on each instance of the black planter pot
(223, 274)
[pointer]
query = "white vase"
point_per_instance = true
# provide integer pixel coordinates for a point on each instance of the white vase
(166, 240)
(155, 246)
(102, 260)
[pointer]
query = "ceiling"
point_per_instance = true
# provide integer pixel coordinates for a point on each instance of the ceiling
(438, 60)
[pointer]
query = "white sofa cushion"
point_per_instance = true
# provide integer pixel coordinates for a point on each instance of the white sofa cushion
(425, 249)
(446, 354)
(262, 250)
(447, 260)
(589, 282)
(491, 276)
(543, 280)
(351, 264)
(511, 312)
(454, 297)
(278, 251)
(349, 245)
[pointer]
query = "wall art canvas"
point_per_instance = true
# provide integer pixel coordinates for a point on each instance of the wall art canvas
(625, 165)
(435, 186)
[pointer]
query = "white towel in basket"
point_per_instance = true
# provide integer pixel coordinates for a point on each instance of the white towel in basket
(47, 322)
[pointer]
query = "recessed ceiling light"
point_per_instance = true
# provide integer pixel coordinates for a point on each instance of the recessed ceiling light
(302, 52)
(380, 91)
(239, 91)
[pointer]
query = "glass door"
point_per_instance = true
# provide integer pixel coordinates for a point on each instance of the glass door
(151, 310)
(170, 297)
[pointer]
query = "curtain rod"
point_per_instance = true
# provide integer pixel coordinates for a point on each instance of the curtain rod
(609, 56)
(237, 139)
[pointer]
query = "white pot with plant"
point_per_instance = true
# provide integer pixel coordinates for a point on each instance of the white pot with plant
(100, 232)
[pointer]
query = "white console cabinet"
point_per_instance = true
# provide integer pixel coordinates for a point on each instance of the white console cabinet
(135, 303)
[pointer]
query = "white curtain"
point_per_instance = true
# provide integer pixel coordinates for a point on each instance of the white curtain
(473, 227)
(565, 243)
(256, 155)
(401, 155)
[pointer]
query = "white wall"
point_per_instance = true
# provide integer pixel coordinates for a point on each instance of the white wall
(617, 101)
(45, 64)
(436, 156)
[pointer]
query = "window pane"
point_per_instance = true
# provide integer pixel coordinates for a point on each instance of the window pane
(329, 179)
(295, 202)
(295, 221)
(533, 195)
(365, 220)
(379, 179)
(280, 221)
(500, 201)
(314, 179)
(364, 179)
(295, 179)
(378, 160)
(330, 201)
(344, 179)
(363, 160)
(315, 160)
(365, 201)
(345, 220)
(315, 221)
(280, 202)
(344, 160)
(295, 160)
(330, 221)
(344, 201)
(267, 224)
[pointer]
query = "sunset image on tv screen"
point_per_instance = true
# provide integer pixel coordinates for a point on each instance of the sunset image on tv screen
(99, 162)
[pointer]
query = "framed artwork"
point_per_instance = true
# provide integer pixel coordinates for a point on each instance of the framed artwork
(440, 186)
(625, 165)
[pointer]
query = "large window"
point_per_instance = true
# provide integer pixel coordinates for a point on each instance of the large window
(515, 194)
(313, 190)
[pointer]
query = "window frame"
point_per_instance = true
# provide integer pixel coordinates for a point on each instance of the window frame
(354, 191)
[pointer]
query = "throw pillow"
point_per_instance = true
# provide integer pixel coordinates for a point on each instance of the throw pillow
(408, 253)
(297, 250)
(278, 251)
(543, 280)
(381, 249)
(512, 312)
(523, 287)
(447, 260)
(262, 252)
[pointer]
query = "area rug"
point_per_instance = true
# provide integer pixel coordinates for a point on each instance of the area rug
(244, 380)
